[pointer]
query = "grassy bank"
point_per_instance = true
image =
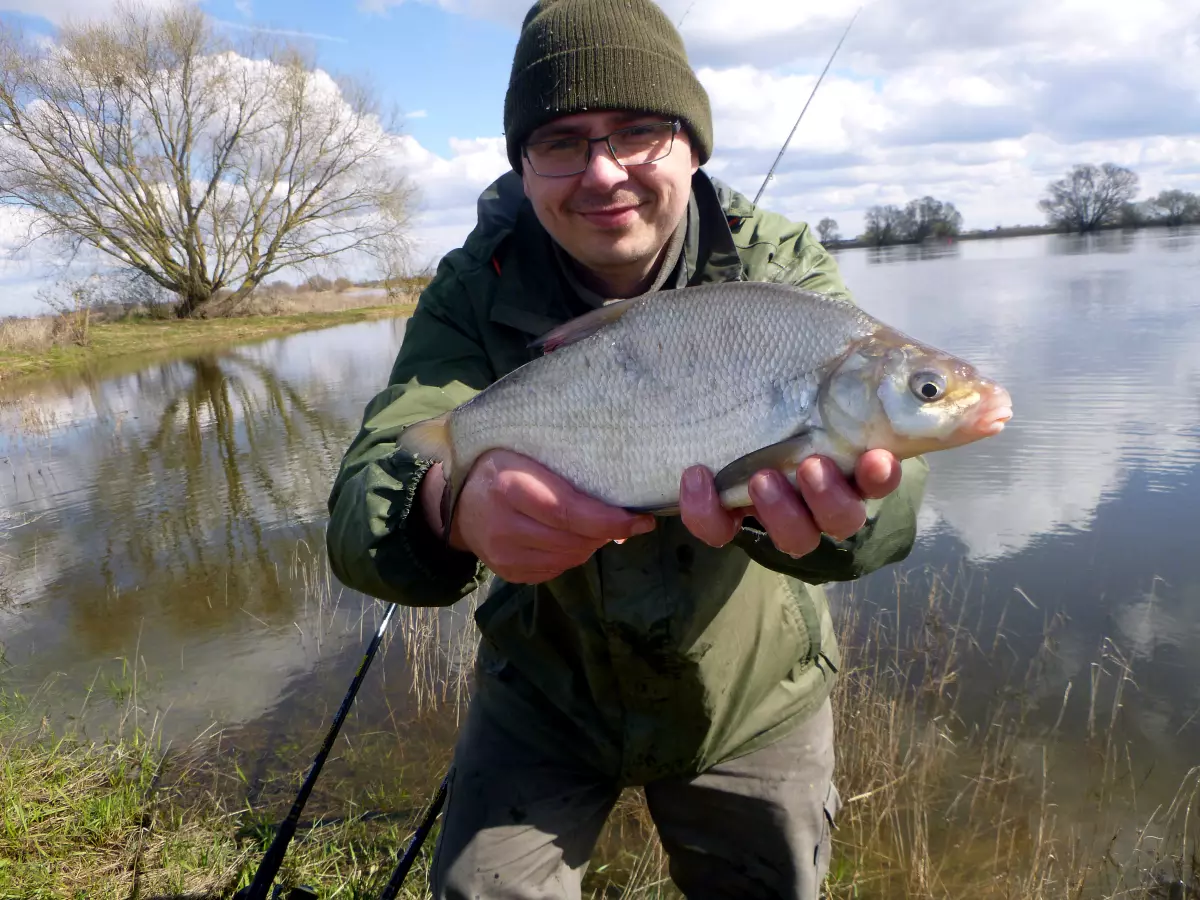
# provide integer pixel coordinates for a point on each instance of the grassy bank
(52, 344)
(937, 803)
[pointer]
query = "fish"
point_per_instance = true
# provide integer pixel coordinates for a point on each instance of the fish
(734, 376)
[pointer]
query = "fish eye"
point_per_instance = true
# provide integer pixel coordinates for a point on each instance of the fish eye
(928, 386)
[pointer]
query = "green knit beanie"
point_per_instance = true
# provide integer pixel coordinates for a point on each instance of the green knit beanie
(579, 55)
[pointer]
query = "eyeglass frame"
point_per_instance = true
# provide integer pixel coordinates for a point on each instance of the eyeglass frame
(676, 127)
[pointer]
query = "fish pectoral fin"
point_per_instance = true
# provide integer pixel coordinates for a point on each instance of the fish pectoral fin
(583, 326)
(732, 482)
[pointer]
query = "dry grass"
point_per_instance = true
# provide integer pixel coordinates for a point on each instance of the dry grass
(938, 803)
(138, 341)
(27, 335)
(77, 337)
(291, 303)
(38, 335)
(941, 803)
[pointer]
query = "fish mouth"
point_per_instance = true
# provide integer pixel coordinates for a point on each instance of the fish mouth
(994, 410)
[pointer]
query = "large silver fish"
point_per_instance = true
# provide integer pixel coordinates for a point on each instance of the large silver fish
(738, 377)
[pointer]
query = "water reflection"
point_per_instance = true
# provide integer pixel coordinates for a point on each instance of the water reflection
(1117, 240)
(1089, 502)
(1178, 238)
(163, 512)
(898, 253)
(1101, 355)
(167, 507)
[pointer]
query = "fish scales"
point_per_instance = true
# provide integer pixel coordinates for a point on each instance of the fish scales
(704, 376)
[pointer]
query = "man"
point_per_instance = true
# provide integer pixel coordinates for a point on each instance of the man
(692, 655)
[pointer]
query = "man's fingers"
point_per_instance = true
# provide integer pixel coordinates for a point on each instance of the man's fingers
(701, 511)
(877, 474)
(836, 507)
(550, 500)
(524, 531)
(783, 514)
(528, 566)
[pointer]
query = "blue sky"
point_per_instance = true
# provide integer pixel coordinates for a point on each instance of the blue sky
(450, 70)
(980, 103)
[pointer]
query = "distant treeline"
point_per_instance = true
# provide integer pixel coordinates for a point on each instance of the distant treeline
(1088, 198)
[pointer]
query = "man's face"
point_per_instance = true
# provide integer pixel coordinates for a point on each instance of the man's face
(611, 219)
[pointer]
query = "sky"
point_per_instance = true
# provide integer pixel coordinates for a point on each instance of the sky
(980, 104)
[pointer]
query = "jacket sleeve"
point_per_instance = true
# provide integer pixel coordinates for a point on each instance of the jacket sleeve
(377, 543)
(891, 528)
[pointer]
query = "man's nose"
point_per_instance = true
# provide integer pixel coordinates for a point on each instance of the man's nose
(602, 169)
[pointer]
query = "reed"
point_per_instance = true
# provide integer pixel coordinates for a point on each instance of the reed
(942, 799)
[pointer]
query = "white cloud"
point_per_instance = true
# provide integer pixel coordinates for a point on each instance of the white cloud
(449, 188)
(980, 104)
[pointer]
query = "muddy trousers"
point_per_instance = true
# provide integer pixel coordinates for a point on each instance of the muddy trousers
(521, 821)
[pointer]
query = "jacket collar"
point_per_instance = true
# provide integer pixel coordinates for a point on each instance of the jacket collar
(710, 252)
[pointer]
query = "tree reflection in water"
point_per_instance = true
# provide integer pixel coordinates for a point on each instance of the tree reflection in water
(177, 507)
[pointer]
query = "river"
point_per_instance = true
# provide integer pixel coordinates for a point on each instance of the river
(169, 523)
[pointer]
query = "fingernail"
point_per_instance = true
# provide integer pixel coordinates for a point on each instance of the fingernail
(767, 489)
(815, 475)
(693, 480)
(643, 526)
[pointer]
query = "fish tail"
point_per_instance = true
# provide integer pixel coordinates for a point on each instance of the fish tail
(431, 439)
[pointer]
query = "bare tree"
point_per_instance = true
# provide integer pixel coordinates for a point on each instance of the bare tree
(827, 230)
(148, 138)
(1089, 196)
(1176, 207)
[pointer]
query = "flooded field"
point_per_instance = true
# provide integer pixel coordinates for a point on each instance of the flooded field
(163, 531)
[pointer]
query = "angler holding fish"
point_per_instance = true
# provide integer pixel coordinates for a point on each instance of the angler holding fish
(653, 412)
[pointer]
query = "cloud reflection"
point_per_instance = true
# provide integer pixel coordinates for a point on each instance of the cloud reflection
(1097, 340)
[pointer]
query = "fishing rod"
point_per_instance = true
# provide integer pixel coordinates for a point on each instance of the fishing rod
(783, 149)
(414, 845)
(268, 867)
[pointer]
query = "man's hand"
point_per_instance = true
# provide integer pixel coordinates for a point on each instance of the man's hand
(826, 503)
(524, 522)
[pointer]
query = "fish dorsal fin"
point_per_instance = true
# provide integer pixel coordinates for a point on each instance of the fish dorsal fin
(583, 326)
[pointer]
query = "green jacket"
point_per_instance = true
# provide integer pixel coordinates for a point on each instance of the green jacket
(660, 655)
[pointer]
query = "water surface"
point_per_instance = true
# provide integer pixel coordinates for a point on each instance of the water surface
(175, 516)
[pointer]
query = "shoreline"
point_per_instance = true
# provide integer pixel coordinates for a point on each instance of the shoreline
(998, 234)
(145, 338)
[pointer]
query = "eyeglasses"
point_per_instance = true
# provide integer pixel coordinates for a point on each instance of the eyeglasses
(633, 146)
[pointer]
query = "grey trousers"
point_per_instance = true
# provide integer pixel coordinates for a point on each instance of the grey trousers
(521, 821)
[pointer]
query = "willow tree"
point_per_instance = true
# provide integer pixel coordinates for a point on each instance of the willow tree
(1089, 196)
(149, 138)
